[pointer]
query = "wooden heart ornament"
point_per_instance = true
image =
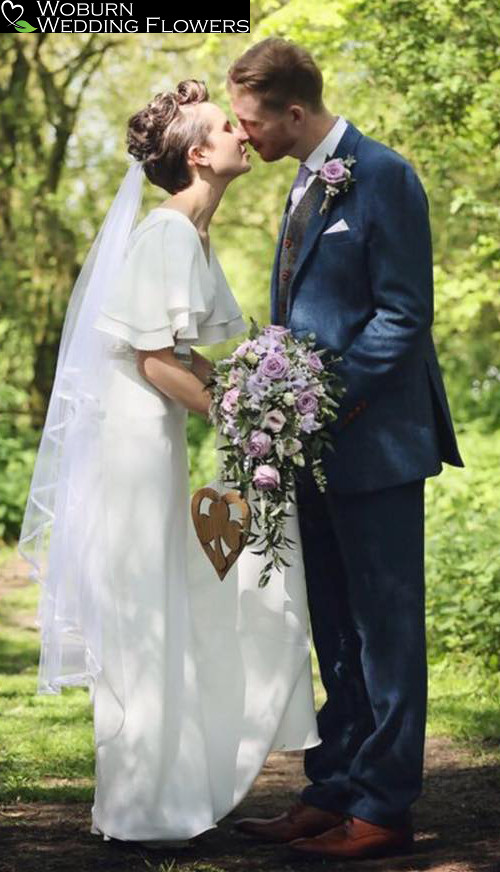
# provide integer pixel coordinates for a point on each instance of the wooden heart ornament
(216, 526)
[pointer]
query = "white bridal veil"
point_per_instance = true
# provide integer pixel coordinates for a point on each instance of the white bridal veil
(62, 534)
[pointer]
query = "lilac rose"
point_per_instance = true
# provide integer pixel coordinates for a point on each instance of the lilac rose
(274, 365)
(258, 444)
(230, 399)
(334, 171)
(274, 420)
(266, 477)
(307, 402)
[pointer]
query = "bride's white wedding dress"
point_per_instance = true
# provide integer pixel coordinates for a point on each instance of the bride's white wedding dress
(201, 678)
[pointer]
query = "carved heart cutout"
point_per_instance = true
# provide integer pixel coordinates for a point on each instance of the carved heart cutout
(217, 526)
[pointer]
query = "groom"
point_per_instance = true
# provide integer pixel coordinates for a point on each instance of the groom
(358, 275)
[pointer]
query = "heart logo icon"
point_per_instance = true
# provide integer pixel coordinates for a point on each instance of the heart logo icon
(12, 11)
(216, 526)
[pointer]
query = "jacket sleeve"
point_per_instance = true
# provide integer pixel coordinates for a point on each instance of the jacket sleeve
(401, 277)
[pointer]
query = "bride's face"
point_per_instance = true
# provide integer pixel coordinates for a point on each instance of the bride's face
(225, 153)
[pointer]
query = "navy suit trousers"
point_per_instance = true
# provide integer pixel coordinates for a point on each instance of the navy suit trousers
(364, 562)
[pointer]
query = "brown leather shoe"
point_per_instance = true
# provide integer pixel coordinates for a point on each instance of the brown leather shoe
(299, 820)
(357, 838)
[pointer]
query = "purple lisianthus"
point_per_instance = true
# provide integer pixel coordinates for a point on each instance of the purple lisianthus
(258, 444)
(242, 349)
(274, 365)
(235, 376)
(334, 171)
(266, 477)
(270, 342)
(314, 361)
(298, 382)
(231, 429)
(277, 329)
(230, 399)
(307, 402)
(308, 423)
(260, 348)
(274, 420)
(256, 386)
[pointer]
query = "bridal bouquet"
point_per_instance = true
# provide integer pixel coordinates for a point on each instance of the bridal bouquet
(272, 398)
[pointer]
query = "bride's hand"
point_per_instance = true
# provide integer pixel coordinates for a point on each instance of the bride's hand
(201, 366)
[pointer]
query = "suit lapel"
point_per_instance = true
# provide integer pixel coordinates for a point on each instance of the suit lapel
(317, 222)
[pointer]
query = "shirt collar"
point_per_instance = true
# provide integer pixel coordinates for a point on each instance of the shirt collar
(327, 146)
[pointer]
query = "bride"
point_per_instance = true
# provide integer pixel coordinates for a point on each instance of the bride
(192, 682)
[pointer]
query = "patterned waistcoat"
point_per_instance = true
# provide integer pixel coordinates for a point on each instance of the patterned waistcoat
(292, 240)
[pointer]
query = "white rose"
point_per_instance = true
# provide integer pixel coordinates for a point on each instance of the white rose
(288, 398)
(292, 446)
(251, 357)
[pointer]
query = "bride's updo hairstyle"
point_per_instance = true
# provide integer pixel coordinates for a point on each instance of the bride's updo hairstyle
(161, 133)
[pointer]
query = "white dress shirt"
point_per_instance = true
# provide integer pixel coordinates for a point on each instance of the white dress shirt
(317, 157)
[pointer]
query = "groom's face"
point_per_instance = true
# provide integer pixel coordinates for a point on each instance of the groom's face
(272, 134)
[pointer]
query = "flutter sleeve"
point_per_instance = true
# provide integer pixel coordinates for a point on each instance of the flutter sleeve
(160, 296)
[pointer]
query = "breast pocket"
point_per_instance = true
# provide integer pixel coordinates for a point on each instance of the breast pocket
(340, 237)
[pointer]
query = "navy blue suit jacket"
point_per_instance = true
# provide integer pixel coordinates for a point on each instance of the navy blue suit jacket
(367, 294)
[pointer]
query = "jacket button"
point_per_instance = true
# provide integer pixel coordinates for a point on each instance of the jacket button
(285, 275)
(287, 242)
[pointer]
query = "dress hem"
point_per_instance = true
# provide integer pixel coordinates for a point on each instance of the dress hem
(97, 831)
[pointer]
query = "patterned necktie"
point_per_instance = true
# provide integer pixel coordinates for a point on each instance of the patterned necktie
(300, 180)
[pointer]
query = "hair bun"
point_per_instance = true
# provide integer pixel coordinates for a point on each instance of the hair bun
(191, 91)
(146, 128)
(159, 134)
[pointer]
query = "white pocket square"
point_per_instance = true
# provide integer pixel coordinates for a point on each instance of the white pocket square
(339, 225)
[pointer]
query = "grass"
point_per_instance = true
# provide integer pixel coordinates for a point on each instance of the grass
(46, 742)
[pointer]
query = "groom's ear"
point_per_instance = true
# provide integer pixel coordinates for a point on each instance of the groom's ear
(297, 113)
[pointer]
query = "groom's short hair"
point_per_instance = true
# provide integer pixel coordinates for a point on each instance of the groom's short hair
(279, 71)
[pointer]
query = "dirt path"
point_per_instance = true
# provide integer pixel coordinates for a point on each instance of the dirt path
(457, 822)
